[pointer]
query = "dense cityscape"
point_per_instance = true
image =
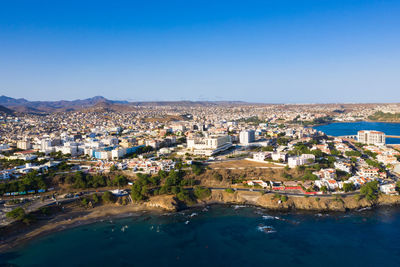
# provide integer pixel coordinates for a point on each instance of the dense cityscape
(200, 133)
(191, 153)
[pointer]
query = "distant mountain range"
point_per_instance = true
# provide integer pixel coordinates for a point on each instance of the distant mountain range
(97, 103)
(5, 111)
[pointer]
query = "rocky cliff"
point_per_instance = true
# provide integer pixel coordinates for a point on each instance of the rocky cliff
(300, 203)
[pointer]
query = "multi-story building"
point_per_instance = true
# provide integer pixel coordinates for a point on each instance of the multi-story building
(24, 145)
(279, 156)
(208, 146)
(371, 137)
(300, 160)
(246, 137)
(261, 156)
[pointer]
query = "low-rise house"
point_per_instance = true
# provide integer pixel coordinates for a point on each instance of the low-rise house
(261, 156)
(386, 159)
(300, 160)
(389, 189)
(331, 184)
(323, 147)
(327, 174)
(279, 156)
(257, 182)
(369, 172)
(358, 181)
(343, 166)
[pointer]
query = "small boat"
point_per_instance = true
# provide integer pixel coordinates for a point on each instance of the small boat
(266, 229)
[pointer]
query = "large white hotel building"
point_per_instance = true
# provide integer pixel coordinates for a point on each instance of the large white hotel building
(371, 137)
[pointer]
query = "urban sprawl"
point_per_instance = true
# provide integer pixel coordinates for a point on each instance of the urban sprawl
(181, 149)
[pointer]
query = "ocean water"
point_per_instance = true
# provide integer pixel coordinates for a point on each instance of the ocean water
(223, 236)
(351, 128)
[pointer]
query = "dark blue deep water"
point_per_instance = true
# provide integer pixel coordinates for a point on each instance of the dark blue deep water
(223, 236)
(351, 128)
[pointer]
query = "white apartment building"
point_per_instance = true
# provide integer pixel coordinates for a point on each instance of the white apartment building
(24, 145)
(246, 137)
(300, 160)
(68, 148)
(371, 137)
(110, 141)
(208, 146)
(261, 156)
(118, 153)
(279, 156)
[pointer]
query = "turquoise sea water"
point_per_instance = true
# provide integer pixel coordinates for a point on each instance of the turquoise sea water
(223, 236)
(351, 128)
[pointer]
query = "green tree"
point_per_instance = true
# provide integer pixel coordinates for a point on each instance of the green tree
(353, 153)
(185, 196)
(230, 190)
(107, 197)
(201, 192)
(138, 192)
(79, 180)
(370, 190)
(16, 214)
(197, 169)
(84, 201)
(113, 168)
(95, 198)
(98, 181)
(347, 187)
(120, 181)
(217, 176)
(373, 163)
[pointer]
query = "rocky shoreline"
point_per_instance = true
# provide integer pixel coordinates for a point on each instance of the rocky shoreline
(169, 203)
(312, 203)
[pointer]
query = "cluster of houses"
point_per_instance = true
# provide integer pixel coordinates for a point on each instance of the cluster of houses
(150, 166)
(385, 155)
(142, 165)
(26, 168)
(316, 188)
(288, 186)
(292, 161)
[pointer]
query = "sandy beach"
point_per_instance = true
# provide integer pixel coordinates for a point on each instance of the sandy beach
(75, 216)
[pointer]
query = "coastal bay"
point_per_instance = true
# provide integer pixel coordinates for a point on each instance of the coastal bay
(234, 235)
(351, 128)
(75, 216)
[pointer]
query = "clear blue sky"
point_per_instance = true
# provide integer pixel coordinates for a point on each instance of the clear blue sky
(262, 51)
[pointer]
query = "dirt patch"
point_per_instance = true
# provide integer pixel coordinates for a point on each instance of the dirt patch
(241, 164)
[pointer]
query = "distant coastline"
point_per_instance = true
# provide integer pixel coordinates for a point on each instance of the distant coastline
(333, 122)
(351, 128)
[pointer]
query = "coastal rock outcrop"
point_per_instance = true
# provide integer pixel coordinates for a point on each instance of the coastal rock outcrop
(165, 202)
(321, 203)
